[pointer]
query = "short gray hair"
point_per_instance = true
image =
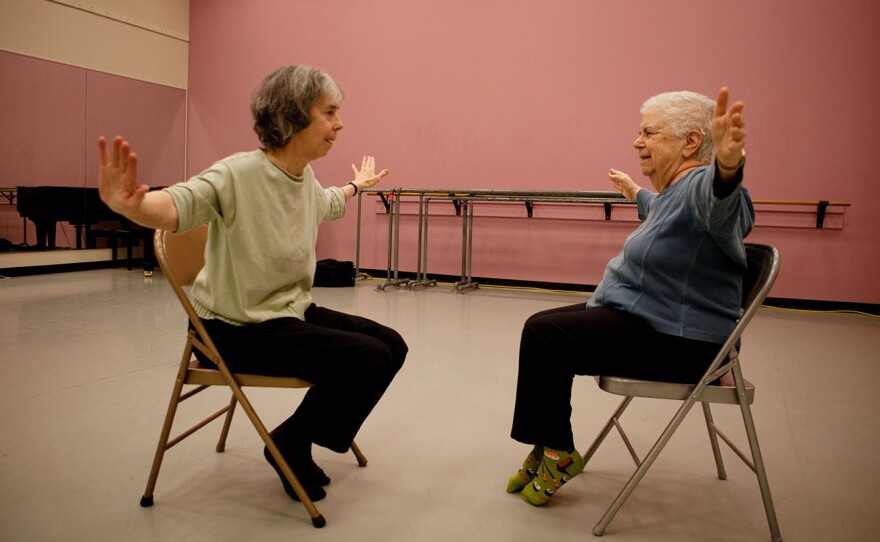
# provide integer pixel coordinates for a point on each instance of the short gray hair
(686, 111)
(281, 102)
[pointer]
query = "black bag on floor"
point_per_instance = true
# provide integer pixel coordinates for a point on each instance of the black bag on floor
(334, 273)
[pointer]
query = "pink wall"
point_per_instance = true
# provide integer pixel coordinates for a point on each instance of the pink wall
(531, 94)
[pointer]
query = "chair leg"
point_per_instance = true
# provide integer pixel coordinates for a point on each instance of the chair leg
(607, 429)
(147, 499)
(221, 444)
(318, 520)
(637, 476)
(713, 440)
(758, 459)
(361, 458)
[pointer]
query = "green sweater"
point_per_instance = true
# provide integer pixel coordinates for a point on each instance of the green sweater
(262, 231)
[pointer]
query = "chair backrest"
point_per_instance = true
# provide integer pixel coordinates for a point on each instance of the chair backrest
(761, 271)
(181, 257)
(762, 267)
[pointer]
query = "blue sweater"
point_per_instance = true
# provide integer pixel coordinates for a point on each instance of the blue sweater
(681, 269)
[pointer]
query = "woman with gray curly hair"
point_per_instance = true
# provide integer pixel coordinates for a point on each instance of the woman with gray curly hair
(665, 304)
(263, 209)
(281, 103)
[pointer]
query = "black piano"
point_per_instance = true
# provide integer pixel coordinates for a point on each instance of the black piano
(82, 207)
(45, 206)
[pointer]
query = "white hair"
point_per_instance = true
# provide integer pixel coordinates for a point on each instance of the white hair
(686, 111)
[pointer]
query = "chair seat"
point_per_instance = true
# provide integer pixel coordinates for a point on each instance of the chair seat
(724, 392)
(198, 374)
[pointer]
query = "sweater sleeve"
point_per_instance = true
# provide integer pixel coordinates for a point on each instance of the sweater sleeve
(199, 200)
(722, 189)
(644, 197)
(333, 203)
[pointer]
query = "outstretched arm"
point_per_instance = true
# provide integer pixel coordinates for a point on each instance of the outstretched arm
(119, 189)
(364, 178)
(728, 134)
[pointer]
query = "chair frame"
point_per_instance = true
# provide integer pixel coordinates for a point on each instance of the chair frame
(722, 383)
(180, 264)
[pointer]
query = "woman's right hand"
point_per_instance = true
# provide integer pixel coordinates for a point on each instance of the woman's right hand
(117, 179)
(119, 189)
(624, 183)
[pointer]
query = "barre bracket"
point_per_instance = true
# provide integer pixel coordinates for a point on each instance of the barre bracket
(385, 202)
(820, 213)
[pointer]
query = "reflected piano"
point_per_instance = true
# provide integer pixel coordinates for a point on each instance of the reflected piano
(45, 206)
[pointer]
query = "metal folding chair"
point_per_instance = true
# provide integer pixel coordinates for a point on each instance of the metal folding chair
(722, 383)
(181, 257)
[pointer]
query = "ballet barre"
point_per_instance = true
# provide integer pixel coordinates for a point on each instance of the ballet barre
(464, 201)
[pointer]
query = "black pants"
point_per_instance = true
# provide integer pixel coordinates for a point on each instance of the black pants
(349, 359)
(558, 344)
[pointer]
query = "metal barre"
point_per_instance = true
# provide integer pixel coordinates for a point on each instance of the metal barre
(466, 197)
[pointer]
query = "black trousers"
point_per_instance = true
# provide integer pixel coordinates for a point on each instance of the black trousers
(350, 360)
(558, 344)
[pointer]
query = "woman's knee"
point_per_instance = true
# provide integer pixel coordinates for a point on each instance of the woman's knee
(538, 328)
(397, 348)
(380, 359)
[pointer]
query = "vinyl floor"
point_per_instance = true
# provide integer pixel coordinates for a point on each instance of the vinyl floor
(87, 361)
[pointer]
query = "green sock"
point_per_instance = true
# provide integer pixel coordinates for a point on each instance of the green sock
(525, 474)
(557, 467)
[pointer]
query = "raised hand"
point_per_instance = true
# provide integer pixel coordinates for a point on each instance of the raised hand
(366, 176)
(728, 131)
(624, 183)
(118, 178)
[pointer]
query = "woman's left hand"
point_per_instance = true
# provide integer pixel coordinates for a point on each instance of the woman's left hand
(366, 176)
(728, 130)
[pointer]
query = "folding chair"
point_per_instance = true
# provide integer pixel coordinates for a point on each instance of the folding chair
(180, 258)
(722, 383)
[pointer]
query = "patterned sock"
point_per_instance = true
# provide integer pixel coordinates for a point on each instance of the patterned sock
(524, 475)
(557, 467)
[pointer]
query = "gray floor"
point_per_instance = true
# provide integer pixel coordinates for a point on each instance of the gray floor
(88, 361)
